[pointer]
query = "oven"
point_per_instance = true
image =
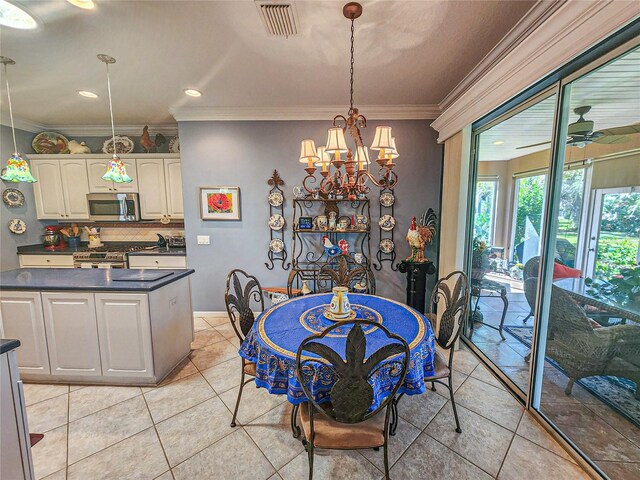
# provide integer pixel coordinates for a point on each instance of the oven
(101, 259)
(114, 207)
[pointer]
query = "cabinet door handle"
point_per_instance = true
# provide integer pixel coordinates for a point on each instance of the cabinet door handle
(48, 260)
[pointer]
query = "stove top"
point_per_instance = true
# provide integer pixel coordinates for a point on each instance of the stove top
(117, 248)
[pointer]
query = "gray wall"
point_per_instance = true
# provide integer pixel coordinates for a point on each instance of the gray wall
(9, 241)
(245, 154)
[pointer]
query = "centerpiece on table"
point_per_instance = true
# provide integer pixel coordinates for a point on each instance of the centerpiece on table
(339, 309)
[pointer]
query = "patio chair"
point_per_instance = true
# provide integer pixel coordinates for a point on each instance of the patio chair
(582, 348)
(242, 294)
(347, 421)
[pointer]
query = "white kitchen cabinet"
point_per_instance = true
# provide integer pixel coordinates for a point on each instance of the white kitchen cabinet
(61, 190)
(157, 261)
(75, 186)
(72, 334)
(46, 261)
(125, 334)
(153, 193)
(173, 180)
(96, 168)
(21, 318)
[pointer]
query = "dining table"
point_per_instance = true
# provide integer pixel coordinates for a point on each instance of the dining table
(273, 341)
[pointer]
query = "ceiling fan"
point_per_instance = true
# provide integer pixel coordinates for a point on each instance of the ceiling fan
(580, 133)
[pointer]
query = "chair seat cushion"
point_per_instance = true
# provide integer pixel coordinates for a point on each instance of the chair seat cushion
(440, 365)
(250, 368)
(330, 433)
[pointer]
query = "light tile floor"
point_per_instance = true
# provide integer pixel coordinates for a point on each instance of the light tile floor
(605, 436)
(181, 430)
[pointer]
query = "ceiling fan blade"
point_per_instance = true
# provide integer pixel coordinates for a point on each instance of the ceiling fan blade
(623, 130)
(611, 139)
(533, 145)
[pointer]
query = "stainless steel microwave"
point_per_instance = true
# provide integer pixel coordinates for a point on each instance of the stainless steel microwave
(114, 207)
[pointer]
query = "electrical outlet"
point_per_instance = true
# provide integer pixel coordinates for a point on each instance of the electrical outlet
(203, 240)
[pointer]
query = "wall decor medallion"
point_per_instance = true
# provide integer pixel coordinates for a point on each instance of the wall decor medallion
(276, 222)
(220, 203)
(276, 245)
(298, 192)
(276, 199)
(12, 197)
(174, 145)
(17, 226)
(387, 223)
(387, 199)
(49, 143)
(123, 145)
(387, 245)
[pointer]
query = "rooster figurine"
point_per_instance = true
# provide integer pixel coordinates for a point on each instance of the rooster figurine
(419, 235)
(343, 245)
(329, 247)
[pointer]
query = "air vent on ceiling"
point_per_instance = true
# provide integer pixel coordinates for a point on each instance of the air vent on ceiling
(279, 18)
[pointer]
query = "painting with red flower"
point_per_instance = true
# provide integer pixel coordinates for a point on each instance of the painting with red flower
(220, 203)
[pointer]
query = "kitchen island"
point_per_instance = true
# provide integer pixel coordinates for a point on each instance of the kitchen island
(97, 326)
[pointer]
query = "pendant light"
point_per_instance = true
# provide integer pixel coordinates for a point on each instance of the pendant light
(116, 171)
(17, 168)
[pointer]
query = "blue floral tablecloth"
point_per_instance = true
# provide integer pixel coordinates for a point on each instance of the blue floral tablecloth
(277, 333)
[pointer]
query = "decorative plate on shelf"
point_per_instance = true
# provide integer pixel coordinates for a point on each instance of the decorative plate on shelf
(276, 245)
(276, 222)
(123, 145)
(17, 226)
(387, 199)
(12, 197)
(50, 142)
(387, 245)
(387, 222)
(174, 145)
(298, 192)
(276, 199)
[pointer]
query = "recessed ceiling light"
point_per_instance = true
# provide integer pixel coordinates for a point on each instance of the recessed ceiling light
(15, 17)
(86, 4)
(87, 93)
(498, 142)
(193, 93)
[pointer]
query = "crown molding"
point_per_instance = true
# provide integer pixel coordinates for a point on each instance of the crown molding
(90, 130)
(22, 124)
(566, 32)
(372, 112)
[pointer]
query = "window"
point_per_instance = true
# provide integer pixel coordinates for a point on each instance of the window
(486, 198)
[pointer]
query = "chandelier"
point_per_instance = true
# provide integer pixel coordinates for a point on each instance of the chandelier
(352, 181)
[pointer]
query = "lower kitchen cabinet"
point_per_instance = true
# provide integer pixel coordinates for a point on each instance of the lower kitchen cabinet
(125, 334)
(159, 262)
(72, 334)
(21, 318)
(46, 261)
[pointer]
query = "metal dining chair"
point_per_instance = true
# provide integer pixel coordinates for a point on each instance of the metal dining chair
(347, 421)
(344, 271)
(242, 294)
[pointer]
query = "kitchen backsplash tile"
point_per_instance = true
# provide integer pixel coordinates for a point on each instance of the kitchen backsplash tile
(116, 234)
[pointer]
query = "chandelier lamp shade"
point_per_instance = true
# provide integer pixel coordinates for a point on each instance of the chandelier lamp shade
(116, 171)
(350, 182)
(17, 169)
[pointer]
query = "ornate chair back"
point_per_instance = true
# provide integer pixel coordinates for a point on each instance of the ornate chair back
(453, 312)
(343, 271)
(242, 295)
(351, 396)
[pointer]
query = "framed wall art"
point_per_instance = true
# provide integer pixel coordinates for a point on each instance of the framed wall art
(220, 203)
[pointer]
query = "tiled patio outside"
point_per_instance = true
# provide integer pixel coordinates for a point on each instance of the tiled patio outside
(181, 429)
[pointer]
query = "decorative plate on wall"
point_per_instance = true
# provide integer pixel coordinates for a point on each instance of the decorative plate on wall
(276, 199)
(298, 192)
(387, 199)
(276, 245)
(387, 245)
(123, 145)
(17, 226)
(276, 222)
(50, 142)
(174, 145)
(387, 222)
(12, 197)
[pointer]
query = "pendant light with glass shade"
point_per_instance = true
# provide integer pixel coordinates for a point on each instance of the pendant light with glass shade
(116, 171)
(352, 182)
(17, 169)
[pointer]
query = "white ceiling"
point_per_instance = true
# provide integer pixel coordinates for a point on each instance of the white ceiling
(407, 53)
(612, 91)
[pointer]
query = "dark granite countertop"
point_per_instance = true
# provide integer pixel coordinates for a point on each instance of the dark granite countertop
(87, 279)
(6, 345)
(38, 249)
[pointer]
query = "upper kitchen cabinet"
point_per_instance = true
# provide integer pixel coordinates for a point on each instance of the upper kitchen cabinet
(160, 188)
(97, 167)
(61, 190)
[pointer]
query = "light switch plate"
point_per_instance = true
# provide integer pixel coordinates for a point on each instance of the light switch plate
(203, 240)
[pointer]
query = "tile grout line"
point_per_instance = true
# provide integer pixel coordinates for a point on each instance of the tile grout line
(166, 458)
